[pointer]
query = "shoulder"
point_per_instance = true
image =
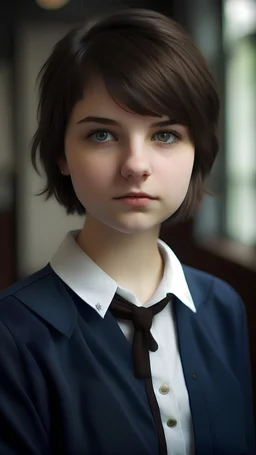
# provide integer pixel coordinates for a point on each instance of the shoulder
(15, 298)
(221, 313)
(30, 284)
(210, 283)
(30, 305)
(211, 292)
(23, 291)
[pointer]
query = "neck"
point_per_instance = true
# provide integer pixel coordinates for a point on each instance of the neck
(132, 260)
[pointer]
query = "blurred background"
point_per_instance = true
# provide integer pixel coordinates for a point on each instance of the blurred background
(221, 239)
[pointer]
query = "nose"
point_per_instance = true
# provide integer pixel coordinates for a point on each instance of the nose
(136, 165)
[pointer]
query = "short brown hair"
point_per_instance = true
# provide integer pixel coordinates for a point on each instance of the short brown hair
(150, 66)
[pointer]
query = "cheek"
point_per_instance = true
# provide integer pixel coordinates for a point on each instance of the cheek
(177, 173)
(90, 178)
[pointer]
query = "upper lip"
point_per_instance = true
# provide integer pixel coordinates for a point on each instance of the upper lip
(136, 194)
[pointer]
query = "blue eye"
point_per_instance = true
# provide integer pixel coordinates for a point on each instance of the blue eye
(167, 137)
(101, 136)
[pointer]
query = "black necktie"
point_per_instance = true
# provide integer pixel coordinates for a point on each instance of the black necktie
(143, 341)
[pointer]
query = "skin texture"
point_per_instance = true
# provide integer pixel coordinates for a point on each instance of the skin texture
(131, 156)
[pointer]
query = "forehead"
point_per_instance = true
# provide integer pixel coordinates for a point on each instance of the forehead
(96, 100)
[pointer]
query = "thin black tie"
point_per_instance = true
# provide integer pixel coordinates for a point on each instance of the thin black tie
(143, 341)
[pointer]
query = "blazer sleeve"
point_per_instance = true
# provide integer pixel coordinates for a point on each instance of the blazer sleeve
(21, 431)
(244, 375)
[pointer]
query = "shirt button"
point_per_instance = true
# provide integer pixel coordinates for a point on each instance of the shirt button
(98, 306)
(171, 422)
(164, 389)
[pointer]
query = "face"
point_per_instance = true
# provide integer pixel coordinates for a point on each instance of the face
(111, 153)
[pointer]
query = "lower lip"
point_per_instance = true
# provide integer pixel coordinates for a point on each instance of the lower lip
(136, 201)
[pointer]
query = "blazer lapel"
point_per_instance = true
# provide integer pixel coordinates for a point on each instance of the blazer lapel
(189, 338)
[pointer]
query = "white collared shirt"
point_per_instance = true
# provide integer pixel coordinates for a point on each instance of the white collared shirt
(97, 289)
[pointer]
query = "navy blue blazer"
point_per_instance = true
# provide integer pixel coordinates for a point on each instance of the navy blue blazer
(66, 375)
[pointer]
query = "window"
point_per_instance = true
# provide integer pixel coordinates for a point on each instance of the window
(240, 120)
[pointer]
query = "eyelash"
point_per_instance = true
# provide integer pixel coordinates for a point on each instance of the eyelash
(174, 133)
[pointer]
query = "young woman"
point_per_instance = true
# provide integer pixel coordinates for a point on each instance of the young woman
(115, 348)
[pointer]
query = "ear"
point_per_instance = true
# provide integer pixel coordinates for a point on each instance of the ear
(63, 166)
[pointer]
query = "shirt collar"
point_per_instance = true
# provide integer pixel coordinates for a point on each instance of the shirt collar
(97, 288)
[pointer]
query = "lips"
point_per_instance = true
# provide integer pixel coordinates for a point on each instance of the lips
(137, 196)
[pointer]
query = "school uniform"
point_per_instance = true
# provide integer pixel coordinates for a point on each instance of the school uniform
(67, 383)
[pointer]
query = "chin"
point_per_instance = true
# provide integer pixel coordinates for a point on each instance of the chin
(135, 226)
(133, 230)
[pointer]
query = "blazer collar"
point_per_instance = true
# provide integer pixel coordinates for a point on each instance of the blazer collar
(48, 296)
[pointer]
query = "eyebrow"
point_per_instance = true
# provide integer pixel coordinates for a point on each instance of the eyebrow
(108, 121)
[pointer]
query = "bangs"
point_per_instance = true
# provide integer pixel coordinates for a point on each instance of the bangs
(138, 76)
